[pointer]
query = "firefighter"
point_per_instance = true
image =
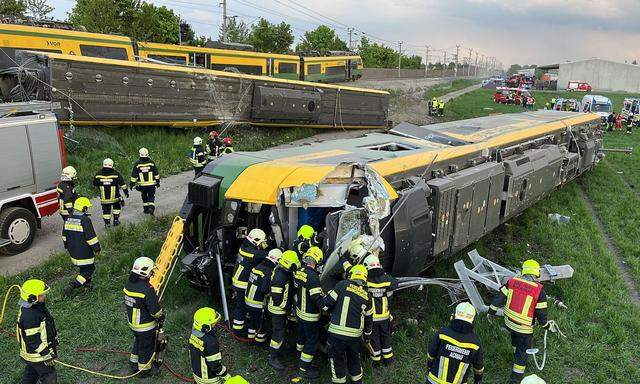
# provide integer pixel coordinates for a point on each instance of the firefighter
(351, 319)
(255, 294)
(67, 191)
(80, 239)
(111, 184)
(380, 287)
(434, 106)
(307, 238)
(309, 305)
(547, 105)
(441, 104)
(145, 178)
(214, 146)
(281, 293)
(454, 349)
(251, 253)
(524, 301)
(204, 349)
(144, 316)
(197, 156)
(36, 334)
(228, 146)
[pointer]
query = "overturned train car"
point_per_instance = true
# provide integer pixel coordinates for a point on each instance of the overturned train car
(433, 189)
(96, 91)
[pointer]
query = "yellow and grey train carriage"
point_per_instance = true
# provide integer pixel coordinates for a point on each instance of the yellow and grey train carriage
(328, 69)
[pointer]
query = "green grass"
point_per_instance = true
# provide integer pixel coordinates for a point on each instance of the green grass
(169, 147)
(443, 89)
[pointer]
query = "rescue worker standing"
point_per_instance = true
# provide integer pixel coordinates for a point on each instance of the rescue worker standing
(434, 106)
(228, 146)
(36, 334)
(144, 316)
(524, 301)
(307, 238)
(214, 146)
(380, 287)
(251, 253)
(440, 107)
(281, 293)
(197, 156)
(454, 349)
(309, 306)
(66, 190)
(80, 239)
(111, 184)
(255, 294)
(145, 178)
(204, 349)
(351, 318)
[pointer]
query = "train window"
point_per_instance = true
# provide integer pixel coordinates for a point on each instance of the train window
(313, 69)
(390, 147)
(248, 69)
(37, 49)
(335, 70)
(198, 60)
(103, 52)
(169, 59)
(287, 68)
(354, 64)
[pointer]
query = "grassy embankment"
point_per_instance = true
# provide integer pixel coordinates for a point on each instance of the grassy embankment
(443, 89)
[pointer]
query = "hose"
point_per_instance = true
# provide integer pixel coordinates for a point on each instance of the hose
(98, 373)
(4, 302)
(553, 326)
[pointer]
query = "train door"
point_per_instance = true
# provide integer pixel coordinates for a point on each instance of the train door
(197, 59)
(270, 67)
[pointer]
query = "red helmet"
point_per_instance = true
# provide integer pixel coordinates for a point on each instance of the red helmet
(227, 141)
(213, 134)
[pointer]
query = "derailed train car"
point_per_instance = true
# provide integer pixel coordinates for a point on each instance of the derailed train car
(426, 192)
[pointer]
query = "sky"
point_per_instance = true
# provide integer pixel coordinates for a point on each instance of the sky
(513, 31)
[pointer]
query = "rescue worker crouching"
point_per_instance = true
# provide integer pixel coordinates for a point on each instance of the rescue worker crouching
(144, 315)
(204, 349)
(111, 184)
(227, 142)
(66, 190)
(145, 178)
(309, 306)
(252, 251)
(351, 319)
(197, 156)
(281, 293)
(456, 348)
(255, 295)
(524, 301)
(36, 334)
(80, 239)
(214, 146)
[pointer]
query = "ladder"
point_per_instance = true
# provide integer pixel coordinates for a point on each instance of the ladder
(166, 261)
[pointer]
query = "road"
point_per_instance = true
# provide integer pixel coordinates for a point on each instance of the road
(169, 197)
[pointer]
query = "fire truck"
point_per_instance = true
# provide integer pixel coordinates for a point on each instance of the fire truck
(32, 155)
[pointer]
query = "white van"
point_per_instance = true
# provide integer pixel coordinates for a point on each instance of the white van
(597, 104)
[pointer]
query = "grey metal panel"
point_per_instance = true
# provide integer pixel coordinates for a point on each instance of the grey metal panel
(17, 170)
(570, 166)
(285, 104)
(47, 164)
(479, 208)
(464, 202)
(443, 201)
(517, 172)
(494, 200)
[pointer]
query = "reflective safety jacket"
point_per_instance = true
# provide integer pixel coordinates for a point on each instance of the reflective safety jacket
(36, 332)
(258, 284)
(214, 148)
(206, 359)
(144, 173)
(301, 246)
(281, 291)
(524, 301)
(352, 310)
(309, 296)
(248, 257)
(197, 157)
(141, 302)
(110, 182)
(66, 196)
(227, 150)
(80, 239)
(452, 351)
(381, 287)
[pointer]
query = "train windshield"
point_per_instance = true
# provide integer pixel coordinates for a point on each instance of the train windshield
(601, 107)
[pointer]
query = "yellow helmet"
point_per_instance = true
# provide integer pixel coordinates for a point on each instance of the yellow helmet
(205, 319)
(306, 232)
(358, 272)
(81, 204)
(531, 267)
(315, 253)
(289, 259)
(31, 289)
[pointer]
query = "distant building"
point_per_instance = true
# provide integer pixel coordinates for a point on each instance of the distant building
(602, 75)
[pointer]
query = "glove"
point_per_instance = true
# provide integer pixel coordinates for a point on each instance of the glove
(50, 363)
(161, 319)
(157, 183)
(126, 193)
(132, 186)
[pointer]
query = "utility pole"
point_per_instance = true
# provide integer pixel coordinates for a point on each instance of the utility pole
(399, 57)
(455, 70)
(426, 60)
(444, 63)
(350, 29)
(469, 63)
(224, 20)
(179, 31)
(475, 67)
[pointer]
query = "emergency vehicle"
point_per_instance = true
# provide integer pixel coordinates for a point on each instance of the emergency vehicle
(579, 86)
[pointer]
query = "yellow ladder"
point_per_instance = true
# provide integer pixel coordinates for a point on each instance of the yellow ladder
(167, 257)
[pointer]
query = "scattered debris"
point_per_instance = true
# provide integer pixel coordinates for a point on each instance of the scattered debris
(558, 218)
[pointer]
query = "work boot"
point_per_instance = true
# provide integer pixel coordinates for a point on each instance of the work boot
(116, 222)
(149, 372)
(69, 289)
(389, 362)
(516, 378)
(133, 367)
(275, 363)
(107, 223)
(310, 374)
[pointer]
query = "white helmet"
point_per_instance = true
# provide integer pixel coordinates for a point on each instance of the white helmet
(68, 173)
(533, 379)
(465, 312)
(357, 250)
(143, 152)
(197, 140)
(107, 163)
(257, 237)
(143, 266)
(371, 262)
(275, 255)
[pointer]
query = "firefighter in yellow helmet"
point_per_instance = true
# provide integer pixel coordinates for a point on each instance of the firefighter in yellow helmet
(524, 302)
(307, 238)
(455, 348)
(80, 239)
(204, 349)
(66, 190)
(36, 334)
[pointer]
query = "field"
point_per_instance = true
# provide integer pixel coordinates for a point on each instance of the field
(443, 89)
(601, 323)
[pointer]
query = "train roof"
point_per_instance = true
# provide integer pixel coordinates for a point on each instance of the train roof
(34, 31)
(173, 48)
(258, 176)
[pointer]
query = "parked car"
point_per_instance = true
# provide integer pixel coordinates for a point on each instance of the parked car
(515, 96)
(579, 86)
